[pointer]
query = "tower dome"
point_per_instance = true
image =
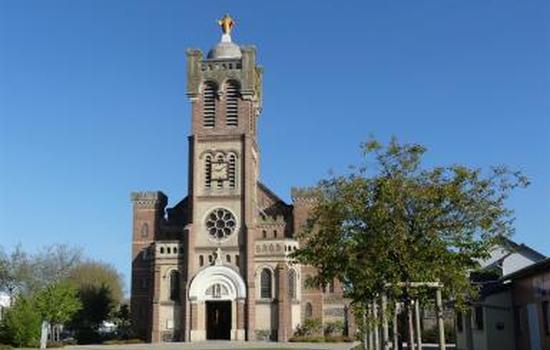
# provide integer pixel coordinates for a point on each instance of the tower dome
(225, 48)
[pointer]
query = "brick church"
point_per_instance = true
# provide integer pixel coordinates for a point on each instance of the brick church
(217, 264)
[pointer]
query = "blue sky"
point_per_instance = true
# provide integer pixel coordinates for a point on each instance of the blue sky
(93, 104)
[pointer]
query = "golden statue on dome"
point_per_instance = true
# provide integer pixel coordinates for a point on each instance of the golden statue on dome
(226, 23)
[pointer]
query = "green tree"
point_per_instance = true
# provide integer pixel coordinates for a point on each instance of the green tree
(21, 324)
(98, 274)
(392, 220)
(56, 304)
(97, 305)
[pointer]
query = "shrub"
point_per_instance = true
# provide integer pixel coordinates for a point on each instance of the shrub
(334, 328)
(21, 325)
(311, 327)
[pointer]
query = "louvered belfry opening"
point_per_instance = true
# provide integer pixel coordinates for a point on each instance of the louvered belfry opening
(209, 105)
(232, 104)
(232, 171)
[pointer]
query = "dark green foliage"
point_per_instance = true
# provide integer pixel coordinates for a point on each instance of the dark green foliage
(21, 324)
(97, 305)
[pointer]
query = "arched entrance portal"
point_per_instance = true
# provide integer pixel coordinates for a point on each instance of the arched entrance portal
(216, 303)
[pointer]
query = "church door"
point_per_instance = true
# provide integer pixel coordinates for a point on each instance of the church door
(218, 320)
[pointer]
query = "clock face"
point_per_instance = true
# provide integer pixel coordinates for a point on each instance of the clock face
(219, 171)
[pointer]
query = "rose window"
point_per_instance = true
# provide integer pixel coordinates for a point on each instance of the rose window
(220, 223)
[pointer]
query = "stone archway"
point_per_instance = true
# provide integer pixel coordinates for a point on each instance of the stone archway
(217, 288)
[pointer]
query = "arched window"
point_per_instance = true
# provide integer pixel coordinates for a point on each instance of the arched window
(292, 284)
(209, 105)
(228, 258)
(232, 104)
(264, 234)
(144, 230)
(309, 310)
(265, 284)
(201, 260)
(174, 285)
(208, 171)
(231, 171)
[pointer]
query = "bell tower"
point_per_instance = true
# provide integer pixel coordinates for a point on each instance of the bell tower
(224, 89)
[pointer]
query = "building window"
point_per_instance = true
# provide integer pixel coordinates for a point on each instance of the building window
(459, 321)
(231, 171)
(210, 258)
(201, 260)
(232, 104)
(309, 310)
(265, 284)
(237, 261)
(174, 285)
(228, 258)
(144, 230)
(292, 284)
(209, 105)
(264, 234)
(274, 233)
(545, 317)
(478, 317)
(208, 171)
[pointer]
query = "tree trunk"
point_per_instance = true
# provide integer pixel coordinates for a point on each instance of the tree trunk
(44, 334)
(410, 327)
(417, 324)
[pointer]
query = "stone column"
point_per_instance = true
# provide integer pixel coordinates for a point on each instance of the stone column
(240, 319)
(155, 327)
(284, 303)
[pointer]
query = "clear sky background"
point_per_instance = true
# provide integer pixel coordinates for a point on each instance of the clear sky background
(93, 104)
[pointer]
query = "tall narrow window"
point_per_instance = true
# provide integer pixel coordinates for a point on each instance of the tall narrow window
(220, 159)
(292, 284)
(265, 284)
(209, 105)
(201, 260)
(309, 310)
(174, 285)
(232, 104)
(145, 230)
(232, 171)
(208, 171)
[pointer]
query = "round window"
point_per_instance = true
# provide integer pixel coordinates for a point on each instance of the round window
(220, 223)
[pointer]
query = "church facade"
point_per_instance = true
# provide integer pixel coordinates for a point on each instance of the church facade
(217, 265)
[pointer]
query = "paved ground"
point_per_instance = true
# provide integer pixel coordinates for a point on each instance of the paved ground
(218, 345)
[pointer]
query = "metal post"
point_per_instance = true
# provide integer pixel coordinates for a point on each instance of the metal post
(440, 325)
(385, 333)
(417, 323)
